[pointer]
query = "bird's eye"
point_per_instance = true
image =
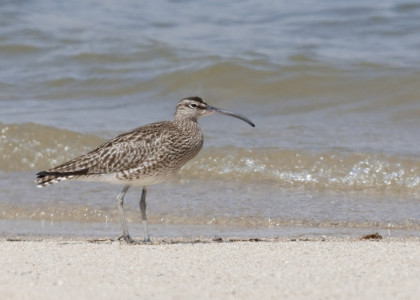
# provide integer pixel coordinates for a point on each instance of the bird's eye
(193, 105)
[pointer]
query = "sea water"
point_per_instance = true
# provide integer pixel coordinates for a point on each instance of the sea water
(333, 88)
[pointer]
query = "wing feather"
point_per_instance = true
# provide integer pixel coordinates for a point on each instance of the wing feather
(126, 151)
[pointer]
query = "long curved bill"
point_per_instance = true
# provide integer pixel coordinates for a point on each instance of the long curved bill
(212, 109)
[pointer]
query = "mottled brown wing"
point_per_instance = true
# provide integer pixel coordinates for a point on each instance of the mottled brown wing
(126, 151)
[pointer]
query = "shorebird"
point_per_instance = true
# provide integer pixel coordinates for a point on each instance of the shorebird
(147, 155)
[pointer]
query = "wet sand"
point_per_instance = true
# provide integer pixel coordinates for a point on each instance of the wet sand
(320, 268)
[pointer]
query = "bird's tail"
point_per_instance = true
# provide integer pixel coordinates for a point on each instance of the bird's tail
(49, 177)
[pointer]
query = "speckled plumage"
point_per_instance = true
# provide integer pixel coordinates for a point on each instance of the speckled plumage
(146, 155)
(143, 156)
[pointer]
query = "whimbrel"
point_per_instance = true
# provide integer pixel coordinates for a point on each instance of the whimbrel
(146, 155)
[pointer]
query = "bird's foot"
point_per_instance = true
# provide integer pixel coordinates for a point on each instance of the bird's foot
(127, 238)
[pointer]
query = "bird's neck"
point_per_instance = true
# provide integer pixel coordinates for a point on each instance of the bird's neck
(186, 124)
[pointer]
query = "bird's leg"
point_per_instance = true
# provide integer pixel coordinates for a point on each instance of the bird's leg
(120, 201)
(143, 214)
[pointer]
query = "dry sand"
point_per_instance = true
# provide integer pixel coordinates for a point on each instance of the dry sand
(332, 269)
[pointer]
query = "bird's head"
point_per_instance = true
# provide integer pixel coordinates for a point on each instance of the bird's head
(192, 108)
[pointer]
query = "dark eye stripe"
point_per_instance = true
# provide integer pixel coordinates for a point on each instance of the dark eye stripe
(201, 106)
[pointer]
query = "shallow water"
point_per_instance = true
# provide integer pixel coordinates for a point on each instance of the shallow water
(332, 88)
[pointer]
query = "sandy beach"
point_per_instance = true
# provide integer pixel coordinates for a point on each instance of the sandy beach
(292, 269)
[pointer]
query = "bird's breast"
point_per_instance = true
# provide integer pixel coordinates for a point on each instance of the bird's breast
(187, 144)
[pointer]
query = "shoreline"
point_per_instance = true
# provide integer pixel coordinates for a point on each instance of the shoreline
(28, 229)
(370, 237)
(298, 268)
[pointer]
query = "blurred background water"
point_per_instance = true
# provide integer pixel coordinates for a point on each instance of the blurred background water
(332, 86)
